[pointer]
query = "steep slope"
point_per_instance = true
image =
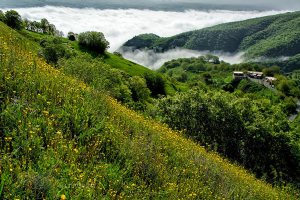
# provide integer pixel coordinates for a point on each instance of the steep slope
(59, 136)
(271, 36)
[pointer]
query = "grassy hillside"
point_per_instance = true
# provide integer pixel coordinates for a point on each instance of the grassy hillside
(61, 137)
(271, 36)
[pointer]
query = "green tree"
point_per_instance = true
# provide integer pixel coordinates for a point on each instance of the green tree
(94, 41)
(155, 83)
(13, 19)
(2, 16)
(71, 36)
(53, 49)
(271, 71)
(253, 133)
(45, 25)
(139, 89)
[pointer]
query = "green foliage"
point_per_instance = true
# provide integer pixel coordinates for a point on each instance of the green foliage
(140, 91)
(287, 86)
(71, 36)
(53, 49)
(240, 129)
(43, 27)
(156, 84)
(94, 41)
(100, 76)
(13, 19)
(142, 41)
(2, 16)
(271, 71)
(247, 86)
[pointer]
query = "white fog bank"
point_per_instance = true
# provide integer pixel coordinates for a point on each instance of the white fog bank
(121, 25)
(154, 60)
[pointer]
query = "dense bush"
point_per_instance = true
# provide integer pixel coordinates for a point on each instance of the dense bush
(71, 36)
(155, 83)
(140, 91)
(271, 71)
(13, 19)
(94, 41)
(53, 49)
(2, 16)
(253, 133)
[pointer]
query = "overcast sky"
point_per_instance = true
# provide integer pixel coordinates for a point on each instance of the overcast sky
(275, 4)
(161, 4)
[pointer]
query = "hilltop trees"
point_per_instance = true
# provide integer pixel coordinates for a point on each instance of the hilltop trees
(94, 41)
(13, 19)
(42, 27)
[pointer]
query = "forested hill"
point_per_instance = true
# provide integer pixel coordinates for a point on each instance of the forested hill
(271, 36)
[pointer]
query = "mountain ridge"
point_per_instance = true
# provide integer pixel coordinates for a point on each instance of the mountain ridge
(271, 36)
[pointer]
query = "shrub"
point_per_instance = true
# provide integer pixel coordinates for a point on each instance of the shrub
(155, 83)
(13, 19)
(71, 36)
(2, 16)
(139, 89)
(53, 49)
(118, 54)
(94, 41)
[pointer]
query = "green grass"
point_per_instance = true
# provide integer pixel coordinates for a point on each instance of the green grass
(130, 67)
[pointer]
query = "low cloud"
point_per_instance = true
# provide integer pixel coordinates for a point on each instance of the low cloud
(154, 60)
(121, 25)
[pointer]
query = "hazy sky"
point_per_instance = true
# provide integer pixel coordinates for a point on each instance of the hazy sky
(161, 4)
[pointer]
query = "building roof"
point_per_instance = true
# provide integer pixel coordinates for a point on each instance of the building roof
(257, 73)
(271, 78)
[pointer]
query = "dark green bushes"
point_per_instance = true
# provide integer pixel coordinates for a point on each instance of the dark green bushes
(155, 83)
(53, 49)
(94, 41)
(2, 16)
(13, 19)
(253, 133)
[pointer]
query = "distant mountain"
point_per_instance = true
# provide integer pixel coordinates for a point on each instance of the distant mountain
(275, 36)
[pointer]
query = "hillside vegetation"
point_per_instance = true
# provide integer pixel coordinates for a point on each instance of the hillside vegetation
(271, 37)
(59, 136)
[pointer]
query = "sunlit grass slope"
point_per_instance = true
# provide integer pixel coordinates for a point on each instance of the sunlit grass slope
(59, 136)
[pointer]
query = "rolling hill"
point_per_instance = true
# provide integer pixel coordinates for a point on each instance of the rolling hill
(61, 136)
(275, 36)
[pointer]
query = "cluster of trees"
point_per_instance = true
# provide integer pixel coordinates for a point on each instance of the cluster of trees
(254, 133)
(14, 20)
(44, 26)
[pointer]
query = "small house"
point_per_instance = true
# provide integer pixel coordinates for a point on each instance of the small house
(255, 75)
(271, 80)
(239, 75)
